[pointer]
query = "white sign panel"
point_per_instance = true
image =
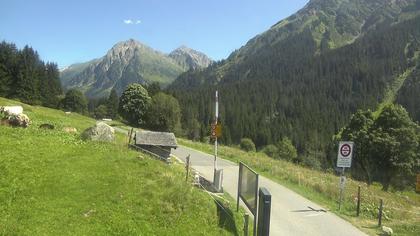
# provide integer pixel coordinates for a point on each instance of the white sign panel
(345, 153)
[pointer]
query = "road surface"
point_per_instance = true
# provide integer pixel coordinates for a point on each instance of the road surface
(291, 213)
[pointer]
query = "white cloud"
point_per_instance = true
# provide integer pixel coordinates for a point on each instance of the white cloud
(132, 22)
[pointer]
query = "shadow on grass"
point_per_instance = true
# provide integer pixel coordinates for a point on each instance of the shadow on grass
(226, 218)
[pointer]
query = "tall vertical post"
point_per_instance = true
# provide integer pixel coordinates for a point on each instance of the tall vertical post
(358, 200)
(264, 212)
(215, 140)
(380, 213)
(246, 223)
(239, 185)
(341, 190)
(187, 167)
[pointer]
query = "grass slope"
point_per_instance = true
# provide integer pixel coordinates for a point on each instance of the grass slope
(52, 183)
(401, 209)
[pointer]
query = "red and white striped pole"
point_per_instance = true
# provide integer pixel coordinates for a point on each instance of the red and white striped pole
(215, 140)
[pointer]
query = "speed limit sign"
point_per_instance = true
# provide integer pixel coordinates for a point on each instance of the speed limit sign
(345, 153)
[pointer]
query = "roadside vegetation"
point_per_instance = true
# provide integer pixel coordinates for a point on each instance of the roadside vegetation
(53, 183)
(401, 208)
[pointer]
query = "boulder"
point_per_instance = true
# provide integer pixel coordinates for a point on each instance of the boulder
(20, 120)
(387, 230)
(100, 132)
(11, 110)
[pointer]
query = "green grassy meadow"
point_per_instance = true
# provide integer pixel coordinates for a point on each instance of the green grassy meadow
(401, 209)
(53, 183)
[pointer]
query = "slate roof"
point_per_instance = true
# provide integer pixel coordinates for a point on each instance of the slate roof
(156, 139)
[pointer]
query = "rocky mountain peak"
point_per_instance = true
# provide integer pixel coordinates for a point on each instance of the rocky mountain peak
(189, 58)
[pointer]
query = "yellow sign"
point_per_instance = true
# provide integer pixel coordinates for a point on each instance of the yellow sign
(216, 130)
(418, 183)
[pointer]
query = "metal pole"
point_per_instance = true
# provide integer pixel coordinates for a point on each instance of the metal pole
(239, 185)
(246, 223)
(358, 200)
(215, 141)
(341, 191)
(380, 213)
(256, 208)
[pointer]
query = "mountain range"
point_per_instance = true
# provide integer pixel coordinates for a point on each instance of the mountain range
(130, 62)
(306, 75)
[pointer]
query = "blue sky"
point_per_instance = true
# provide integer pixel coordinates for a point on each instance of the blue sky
(73, 31)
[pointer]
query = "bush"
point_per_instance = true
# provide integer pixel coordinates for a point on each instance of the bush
(311, 162)
(286, 150)
(247, 145)
(271, 151)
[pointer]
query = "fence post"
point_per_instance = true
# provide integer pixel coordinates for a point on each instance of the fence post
(246, 223)
(380, 213)
(187, 167)
(358, 200)
(129, 137)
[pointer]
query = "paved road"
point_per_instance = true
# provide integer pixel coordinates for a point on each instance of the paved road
(290, 212)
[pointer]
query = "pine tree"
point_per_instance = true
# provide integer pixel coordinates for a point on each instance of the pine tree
(112, 104)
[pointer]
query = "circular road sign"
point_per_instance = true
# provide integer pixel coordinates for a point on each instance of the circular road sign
(345, 150)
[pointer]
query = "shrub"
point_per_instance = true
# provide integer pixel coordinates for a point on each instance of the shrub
(247, 145)
(271, 151)
(286, 150)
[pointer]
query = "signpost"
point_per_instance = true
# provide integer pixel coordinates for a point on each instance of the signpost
(345, 154)
(216, 132)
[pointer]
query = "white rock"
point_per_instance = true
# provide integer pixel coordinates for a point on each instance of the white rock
(12, 110)
(387, 230)
(99, 132)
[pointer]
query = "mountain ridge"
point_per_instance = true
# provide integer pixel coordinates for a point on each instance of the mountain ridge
(127, 62)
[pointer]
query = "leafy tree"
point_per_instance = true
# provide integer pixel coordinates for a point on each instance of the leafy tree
(358, 130)
(164, 113)
(386, 147)
(247, 145)
(134, 104)
(112, 104)
(395, 142)
(286, 150)
(75, 101)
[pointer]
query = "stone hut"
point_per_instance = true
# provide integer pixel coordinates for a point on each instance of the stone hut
(157, 143)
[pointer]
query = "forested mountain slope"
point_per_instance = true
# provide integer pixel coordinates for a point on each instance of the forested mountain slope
(290, 82)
